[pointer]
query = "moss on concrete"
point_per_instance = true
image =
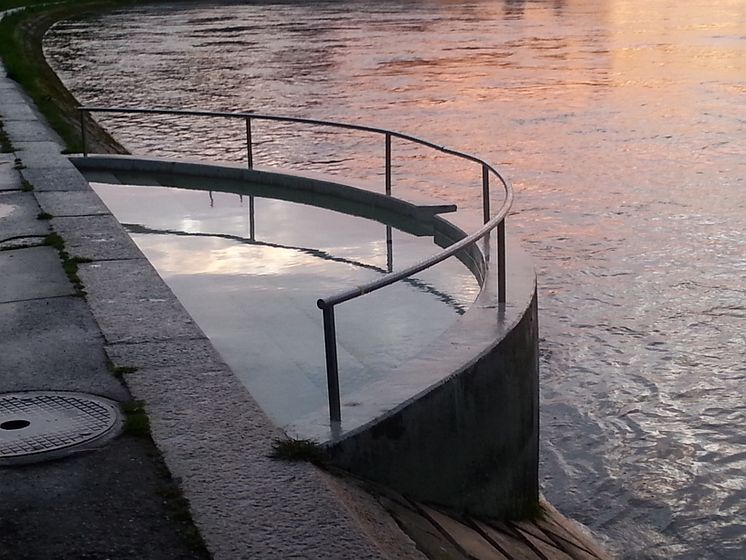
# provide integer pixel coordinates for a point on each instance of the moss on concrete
(6, 146)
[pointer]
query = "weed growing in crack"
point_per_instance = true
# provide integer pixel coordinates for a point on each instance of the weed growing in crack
(299, 450)
(119, 371)
(69, 264)
(178, 509)
(6, 146)
(136, 422)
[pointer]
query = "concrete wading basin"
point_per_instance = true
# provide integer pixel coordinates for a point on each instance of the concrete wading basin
(458, 424)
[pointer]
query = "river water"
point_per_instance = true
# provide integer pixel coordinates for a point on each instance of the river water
(622, 124)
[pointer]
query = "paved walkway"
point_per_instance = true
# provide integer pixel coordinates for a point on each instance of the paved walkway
(119, 501)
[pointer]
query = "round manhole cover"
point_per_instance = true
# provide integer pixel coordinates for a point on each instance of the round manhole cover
(41, 425)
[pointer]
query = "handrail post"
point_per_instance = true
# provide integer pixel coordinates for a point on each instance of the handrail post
(332, 371)
(82, 132)
(485, 193)
(249, 149)
(388, 163)
(389, 250)
(501, 291)
(252, 236)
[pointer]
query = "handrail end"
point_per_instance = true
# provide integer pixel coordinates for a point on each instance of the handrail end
(321, 303)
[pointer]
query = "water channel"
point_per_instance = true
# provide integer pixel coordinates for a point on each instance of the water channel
(622, 124)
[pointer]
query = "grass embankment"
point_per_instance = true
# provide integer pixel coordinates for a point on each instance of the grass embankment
(21, 36)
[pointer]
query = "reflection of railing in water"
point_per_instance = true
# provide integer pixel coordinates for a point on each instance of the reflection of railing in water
(491, 222)
(419, 285)
(389, 241)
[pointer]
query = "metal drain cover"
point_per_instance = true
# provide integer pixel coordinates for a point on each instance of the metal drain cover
(42, 425)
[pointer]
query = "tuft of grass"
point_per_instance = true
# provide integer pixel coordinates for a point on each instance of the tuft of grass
(136, 422)
(291, 449)
(44, 216)
(26, 186)
(119, 371)
(6, 146)
(54, 240)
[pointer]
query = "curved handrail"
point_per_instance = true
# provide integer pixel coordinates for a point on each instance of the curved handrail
(393, 277)
(491, 222)
(283, 118)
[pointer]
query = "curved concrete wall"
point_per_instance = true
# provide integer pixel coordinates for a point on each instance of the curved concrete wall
(471, 440)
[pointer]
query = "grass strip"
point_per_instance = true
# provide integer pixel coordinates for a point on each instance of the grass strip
(290, 449)
(21, 35)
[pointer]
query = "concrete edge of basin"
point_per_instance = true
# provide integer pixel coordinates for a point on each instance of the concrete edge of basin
(315, 183)
(418, 219)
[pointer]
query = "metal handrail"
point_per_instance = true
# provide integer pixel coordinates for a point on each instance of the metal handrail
(327, 304)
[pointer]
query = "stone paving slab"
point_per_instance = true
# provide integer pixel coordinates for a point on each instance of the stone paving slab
(169, 354)
(42, 155)
(26, 131)
(14, 108)
(132, 304)
(48, 148)
(65, 179)
(32, 273)
(14, 100)
(10, 179)
(95, 237)
(53, 344)
(71, 203)
(7, 85)
(276, 509)
(18, 216)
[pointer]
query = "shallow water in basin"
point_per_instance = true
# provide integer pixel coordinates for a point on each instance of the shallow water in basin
(250, 273)
(622, 124)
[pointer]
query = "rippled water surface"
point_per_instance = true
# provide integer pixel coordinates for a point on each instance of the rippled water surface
(623, 126)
